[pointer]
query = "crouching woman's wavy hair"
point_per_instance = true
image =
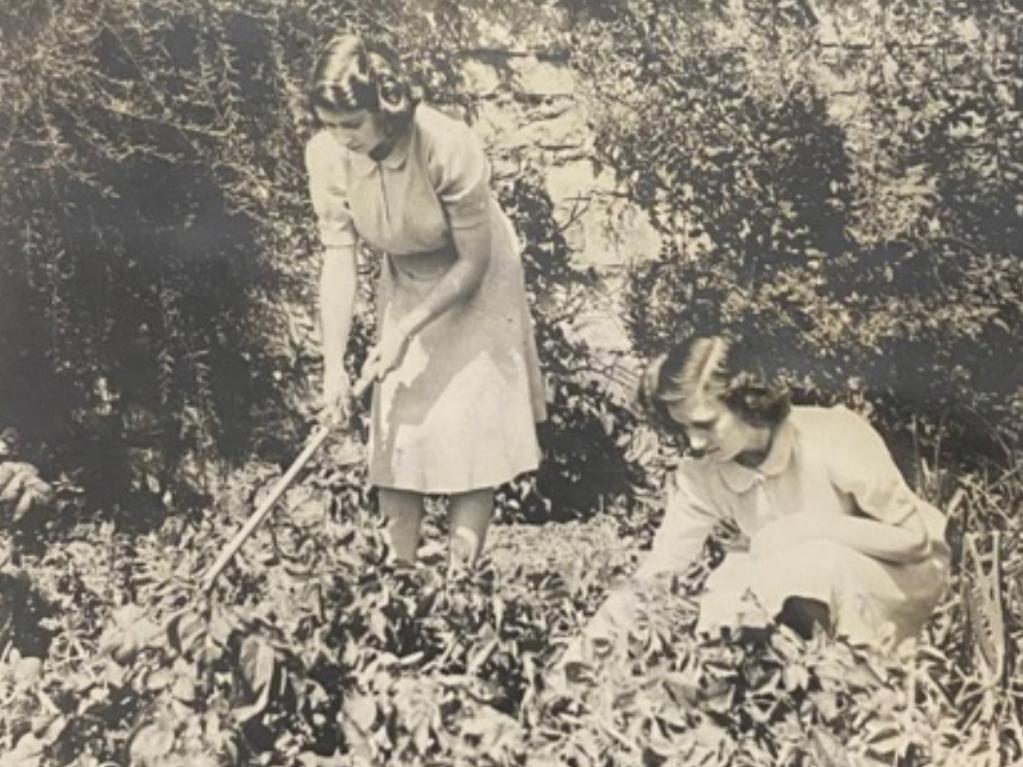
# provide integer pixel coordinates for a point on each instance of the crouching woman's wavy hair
(711, 367)
(349, 74)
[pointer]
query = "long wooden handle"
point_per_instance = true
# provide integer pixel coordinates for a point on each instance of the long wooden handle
(316, 439)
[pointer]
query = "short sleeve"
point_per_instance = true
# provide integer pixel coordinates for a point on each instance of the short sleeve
(460, 174)
(327, 192)
(862, 467)
(688, 520)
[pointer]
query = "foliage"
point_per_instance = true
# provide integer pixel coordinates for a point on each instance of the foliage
(311, 646)
(837, 184)
(155, 219)
(587, 430)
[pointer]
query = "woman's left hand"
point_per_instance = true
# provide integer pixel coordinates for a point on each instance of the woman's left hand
(388, 354)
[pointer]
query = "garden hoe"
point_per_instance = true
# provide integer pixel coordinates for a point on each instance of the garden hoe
(316, 439)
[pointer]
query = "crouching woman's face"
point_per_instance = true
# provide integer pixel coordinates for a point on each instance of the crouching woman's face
(718, 398)
(716, 431)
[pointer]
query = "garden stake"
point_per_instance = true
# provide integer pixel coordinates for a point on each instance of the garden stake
(313, 444)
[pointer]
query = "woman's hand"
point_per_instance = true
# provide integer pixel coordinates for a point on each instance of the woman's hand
(388, 354)
(337, 390)
(21, 489)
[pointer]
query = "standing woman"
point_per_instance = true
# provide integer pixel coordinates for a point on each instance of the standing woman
(459, 388)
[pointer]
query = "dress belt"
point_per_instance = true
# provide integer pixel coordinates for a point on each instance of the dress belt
(425, 265)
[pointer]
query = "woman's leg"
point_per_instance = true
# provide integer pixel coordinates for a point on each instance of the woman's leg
(469, 519)
(801, 614)
(403, 510)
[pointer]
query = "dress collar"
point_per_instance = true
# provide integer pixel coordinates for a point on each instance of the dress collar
(740, 478)
(364, 165)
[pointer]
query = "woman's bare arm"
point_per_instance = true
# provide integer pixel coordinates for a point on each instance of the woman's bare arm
(337, 305)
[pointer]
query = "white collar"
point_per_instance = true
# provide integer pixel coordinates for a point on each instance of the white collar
(364, 165)
(740, 478)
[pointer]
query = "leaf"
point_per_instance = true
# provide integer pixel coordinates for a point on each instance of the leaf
(410, 660)
(184, 631)
(130, 631)
(884, 738)
(827, 749)
(482, 656)
(184, 689)
(795, 677)
(498, 605)
(27, 753)
(312, 759)
(48, 728)
(114, 673)
(425, 602)
(160, 679)
(361, 710)
(19, 473)
(827, 704)
(257, 663)
(378, 625)
(251, 711)
(221, 627)
(708, 735)
(491, 729)
(151, 743)
(421, 736)
(27, 671)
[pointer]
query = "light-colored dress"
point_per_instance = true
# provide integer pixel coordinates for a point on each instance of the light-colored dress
(826, 461)
(459, 412)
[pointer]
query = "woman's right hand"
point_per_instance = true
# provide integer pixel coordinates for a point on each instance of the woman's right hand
(21, 489)
(337, 389)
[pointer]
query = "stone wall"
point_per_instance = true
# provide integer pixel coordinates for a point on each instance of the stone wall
(532, 116)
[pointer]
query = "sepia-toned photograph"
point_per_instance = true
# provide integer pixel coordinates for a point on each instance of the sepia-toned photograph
(511, 383)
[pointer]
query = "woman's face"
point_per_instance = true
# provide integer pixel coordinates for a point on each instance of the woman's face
(358, 130)
(715, 431)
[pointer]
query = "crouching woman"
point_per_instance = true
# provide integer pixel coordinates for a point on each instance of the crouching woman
(835, 536)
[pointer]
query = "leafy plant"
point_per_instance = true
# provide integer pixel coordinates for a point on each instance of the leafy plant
(313, 648)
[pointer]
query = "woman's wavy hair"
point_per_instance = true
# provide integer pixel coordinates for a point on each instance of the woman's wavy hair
(351, 74)
(712, 366)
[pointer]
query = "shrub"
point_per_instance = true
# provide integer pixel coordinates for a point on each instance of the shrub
(840, 188)
(588, 429)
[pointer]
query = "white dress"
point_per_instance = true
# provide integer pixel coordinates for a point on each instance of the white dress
(459, 412)
(826, 461)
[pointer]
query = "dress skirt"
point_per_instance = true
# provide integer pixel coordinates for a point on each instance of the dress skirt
(459, 412)
(869, 600)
